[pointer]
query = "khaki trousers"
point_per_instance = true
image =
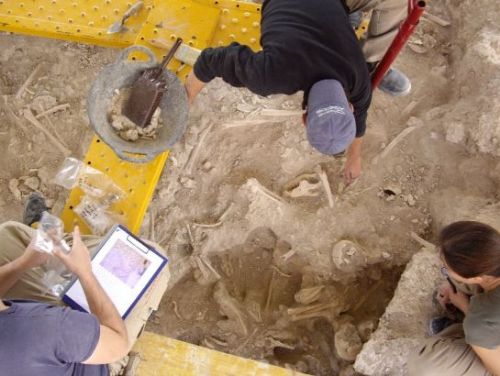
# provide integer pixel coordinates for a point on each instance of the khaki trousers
(447, 354)
(386, 17)
(15, 237)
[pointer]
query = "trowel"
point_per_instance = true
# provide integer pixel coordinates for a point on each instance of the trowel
(119, 25)
(147, 91)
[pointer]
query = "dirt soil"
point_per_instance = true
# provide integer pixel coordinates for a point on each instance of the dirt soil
(272, 257)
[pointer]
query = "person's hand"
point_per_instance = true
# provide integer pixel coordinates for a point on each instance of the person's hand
(78, 259)
(352, 168)
(193, 86)
(446, 295)
(31, 257)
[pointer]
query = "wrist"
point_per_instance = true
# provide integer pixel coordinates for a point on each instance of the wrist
(85, 275)
(22, 263)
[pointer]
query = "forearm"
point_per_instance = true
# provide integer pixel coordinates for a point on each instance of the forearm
(101, 305)
(237, 65)
(490, 358)
(354, 150)
(10, 273)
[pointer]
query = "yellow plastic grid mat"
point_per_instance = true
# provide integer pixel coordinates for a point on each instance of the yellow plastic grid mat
(138, 181)
(162, 356)
(84, 21)
(87, 21)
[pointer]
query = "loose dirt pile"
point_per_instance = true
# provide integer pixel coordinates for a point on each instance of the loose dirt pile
(127, 129)
(272, 256)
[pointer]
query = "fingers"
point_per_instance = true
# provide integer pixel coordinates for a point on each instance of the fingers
(60, 255)
(77, 239)
(348, 177)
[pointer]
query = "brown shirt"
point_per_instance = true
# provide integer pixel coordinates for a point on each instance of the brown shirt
(482, 322)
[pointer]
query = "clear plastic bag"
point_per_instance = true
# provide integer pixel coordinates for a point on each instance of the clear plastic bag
(93, 182)
(100, 194)
(49, 234)
(96, 215)
(56, 277)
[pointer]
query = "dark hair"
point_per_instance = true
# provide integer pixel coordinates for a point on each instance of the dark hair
(471, 249)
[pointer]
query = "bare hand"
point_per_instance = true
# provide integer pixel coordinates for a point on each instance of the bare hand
(459, 299)
(78, 260)
(193, 86)
(32, 258)
(352, 169)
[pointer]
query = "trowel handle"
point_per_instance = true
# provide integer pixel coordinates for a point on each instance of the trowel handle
(171, 53)
(132, 10)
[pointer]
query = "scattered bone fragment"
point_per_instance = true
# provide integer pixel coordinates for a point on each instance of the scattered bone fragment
(14, 189)
(231, 308)
(309, 295)
(348, 344)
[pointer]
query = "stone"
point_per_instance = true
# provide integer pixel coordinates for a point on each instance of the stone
(403, 326)
(14, 189)
(32, 183)
(366, 328)
(347, 342)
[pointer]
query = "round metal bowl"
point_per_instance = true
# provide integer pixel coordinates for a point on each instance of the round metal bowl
(122, 74)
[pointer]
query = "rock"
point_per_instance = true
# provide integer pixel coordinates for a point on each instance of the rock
(347, 342)
(207, 166)
(455, 133)
(366, 328)
(45, 175)
(348, 256)
(187, 182)
(14, 189)
(404, 323)
(32, 182)
(409, 199)
(129, 135)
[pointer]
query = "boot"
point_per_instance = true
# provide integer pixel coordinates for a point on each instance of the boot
(395, 83)
(34, 209)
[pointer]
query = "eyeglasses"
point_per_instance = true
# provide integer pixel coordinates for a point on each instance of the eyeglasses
(444, 272)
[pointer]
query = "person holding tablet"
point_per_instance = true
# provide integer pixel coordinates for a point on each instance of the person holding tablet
(42, 337)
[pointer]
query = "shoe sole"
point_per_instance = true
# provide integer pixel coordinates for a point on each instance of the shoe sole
(396, 94)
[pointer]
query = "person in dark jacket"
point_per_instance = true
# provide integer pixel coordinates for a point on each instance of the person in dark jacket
(309, 46)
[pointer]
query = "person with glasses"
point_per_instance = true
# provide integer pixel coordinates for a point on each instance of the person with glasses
(471, 255)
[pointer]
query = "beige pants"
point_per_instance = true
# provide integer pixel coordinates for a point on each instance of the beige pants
(386, 17)
(447, 354)
(14, 238)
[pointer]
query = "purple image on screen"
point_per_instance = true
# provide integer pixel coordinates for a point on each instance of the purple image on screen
(125, 263)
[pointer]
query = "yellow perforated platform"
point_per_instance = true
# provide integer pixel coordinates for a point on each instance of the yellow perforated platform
(161, 356)
(137, 180)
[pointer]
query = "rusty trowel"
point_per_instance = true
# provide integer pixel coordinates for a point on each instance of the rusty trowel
(119, 25)
(147, 92)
